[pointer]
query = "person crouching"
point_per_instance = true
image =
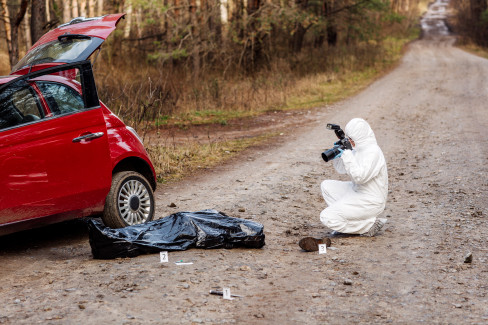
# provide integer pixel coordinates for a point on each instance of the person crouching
(353, 207)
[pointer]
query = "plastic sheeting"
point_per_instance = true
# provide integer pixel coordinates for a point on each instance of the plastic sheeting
(179, 231)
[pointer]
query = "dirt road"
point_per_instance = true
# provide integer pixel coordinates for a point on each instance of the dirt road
(430, 119)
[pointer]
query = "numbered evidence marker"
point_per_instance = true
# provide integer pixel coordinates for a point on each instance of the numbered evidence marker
(226, 294)
(322, 249)
(163, 257)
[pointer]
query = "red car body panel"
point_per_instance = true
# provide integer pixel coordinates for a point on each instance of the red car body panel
(100, 28)
(41, 66)
(43, 172)
(122, 143)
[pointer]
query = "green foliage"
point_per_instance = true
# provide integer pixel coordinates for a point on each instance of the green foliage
(484, 17)
(176, 54)
(393, 17)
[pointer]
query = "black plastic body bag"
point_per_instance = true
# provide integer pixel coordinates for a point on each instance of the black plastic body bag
(177, 232)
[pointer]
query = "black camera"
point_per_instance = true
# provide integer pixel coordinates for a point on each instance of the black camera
(342, 144)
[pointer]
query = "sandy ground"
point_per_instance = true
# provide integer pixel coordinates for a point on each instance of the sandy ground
(430, 119)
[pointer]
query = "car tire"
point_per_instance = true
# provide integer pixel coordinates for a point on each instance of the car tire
(130, 201)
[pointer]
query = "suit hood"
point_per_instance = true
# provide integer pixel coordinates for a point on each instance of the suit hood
(360, 132)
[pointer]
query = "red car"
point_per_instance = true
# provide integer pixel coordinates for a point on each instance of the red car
(63, 153)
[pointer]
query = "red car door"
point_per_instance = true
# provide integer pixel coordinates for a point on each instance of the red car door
(55, 160)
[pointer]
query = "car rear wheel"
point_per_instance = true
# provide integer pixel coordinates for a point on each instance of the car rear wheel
(130, 201)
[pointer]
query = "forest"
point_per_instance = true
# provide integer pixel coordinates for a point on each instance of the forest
(186, 62)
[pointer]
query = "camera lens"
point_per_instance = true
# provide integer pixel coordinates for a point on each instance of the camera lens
(330, 154)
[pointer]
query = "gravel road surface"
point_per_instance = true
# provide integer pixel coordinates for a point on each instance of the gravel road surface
(430, 118)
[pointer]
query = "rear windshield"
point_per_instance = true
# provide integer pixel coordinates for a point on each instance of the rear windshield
(65, 51)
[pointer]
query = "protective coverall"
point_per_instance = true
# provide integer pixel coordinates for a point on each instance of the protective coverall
(353, 206)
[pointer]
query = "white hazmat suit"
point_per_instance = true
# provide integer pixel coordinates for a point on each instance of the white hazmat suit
(354, 206)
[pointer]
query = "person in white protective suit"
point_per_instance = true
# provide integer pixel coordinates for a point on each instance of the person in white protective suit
(354, 206)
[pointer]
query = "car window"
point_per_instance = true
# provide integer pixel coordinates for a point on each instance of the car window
(61, 99)
(64, 50)
(19, 105)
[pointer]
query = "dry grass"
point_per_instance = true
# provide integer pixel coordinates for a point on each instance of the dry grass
(147, 96)
(472, 48)
(173, 162)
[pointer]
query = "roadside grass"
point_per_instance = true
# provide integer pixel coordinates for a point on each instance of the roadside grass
(474, 49)
(173, 162)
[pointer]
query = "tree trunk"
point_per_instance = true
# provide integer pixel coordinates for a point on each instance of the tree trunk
(297, 40)
(128, 20)
(331, 24)
(224, 15)
(331, 34)
(298, 36)
(12, 29)
(215, 21)
(100, 8)
(91, 8)
(74, 9)
(48, 11)
(66, 11)
(477, 8)
(6, 20)
(196, 30)
(254, 42)
(38, 19)
(27, 33)
(238, 18)
(83, 11)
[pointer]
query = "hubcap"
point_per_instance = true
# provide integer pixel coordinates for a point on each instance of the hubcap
(134, 202)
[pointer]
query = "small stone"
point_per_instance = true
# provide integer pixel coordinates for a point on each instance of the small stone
(82, 307)
(17, 301)
(245, 268)
(263, 276)
(242, 210)
(457, 305)
(348, 282)
(185, 285)
(468, 258)
(172, 205)
(259, 315)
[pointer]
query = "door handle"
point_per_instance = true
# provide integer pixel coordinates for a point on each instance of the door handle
(88, 136)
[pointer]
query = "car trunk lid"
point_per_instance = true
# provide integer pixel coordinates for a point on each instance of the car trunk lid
(70, 42)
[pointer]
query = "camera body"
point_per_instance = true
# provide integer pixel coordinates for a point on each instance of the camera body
(342, 144)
